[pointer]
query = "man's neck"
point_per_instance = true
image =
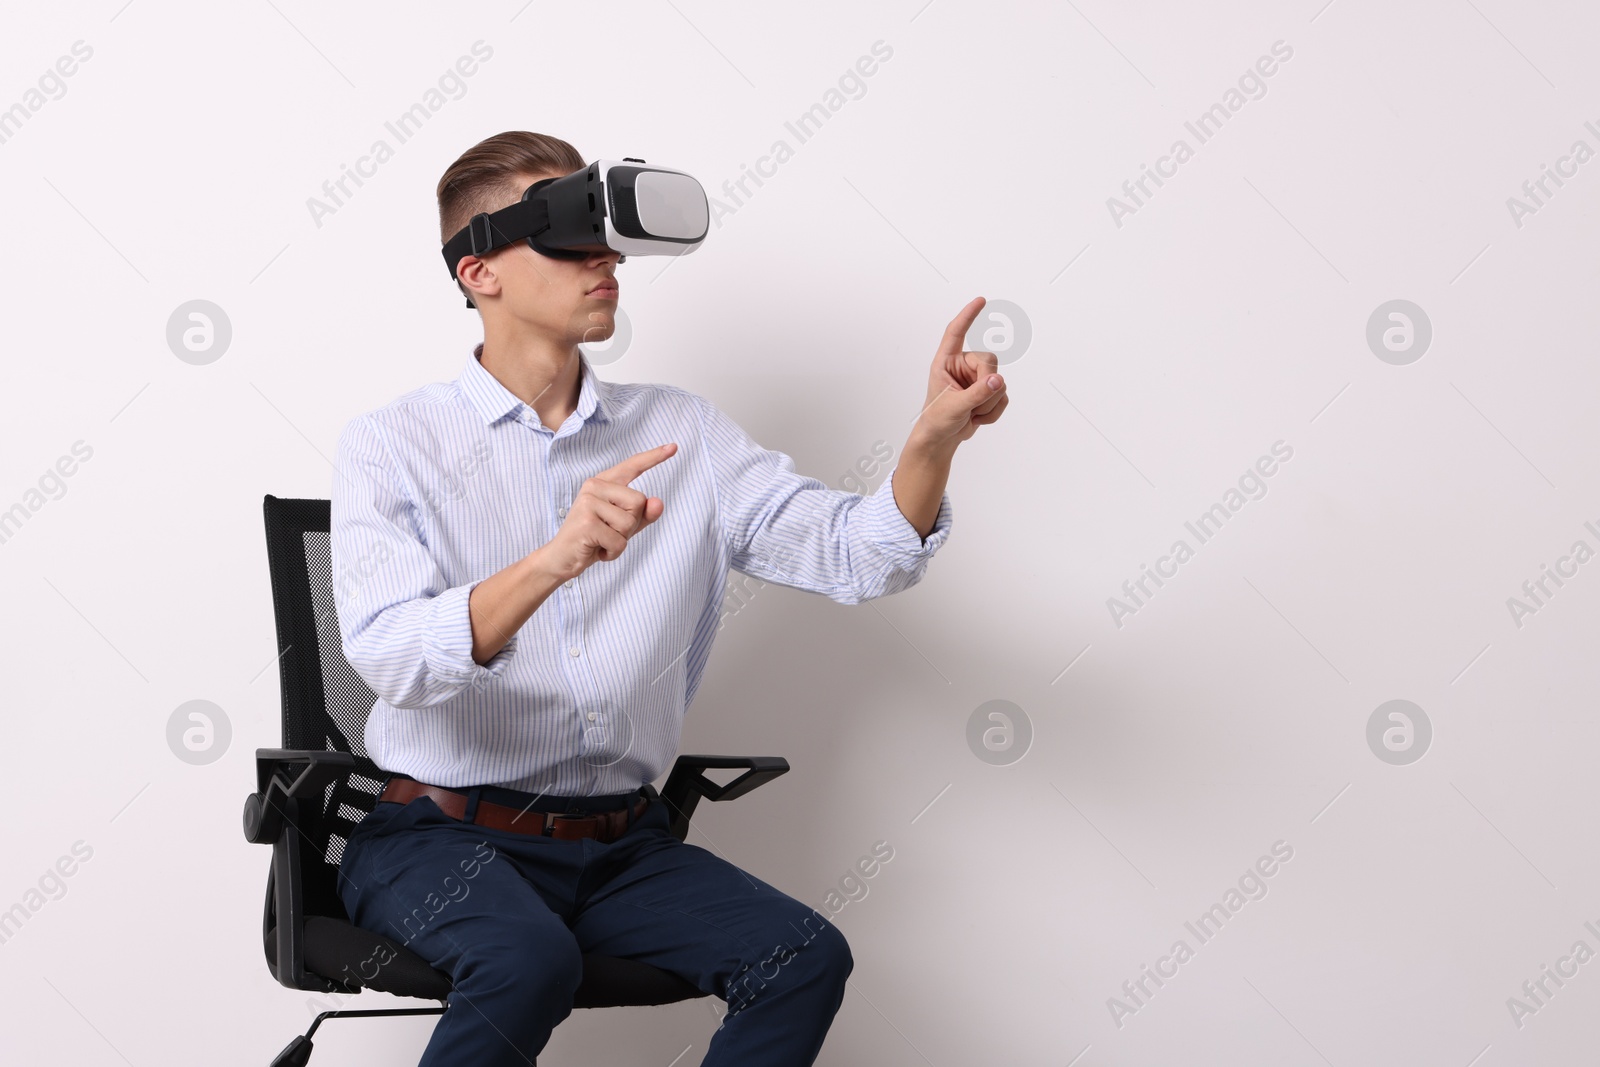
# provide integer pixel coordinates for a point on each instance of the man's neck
(544, 375)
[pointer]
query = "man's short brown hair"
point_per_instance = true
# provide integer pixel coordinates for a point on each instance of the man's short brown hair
(485, 178)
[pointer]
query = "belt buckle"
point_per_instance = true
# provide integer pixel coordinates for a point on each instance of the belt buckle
(601, 820)
(550, 818)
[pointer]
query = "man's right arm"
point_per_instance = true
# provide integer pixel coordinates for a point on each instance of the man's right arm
(417, 641)
(606, 512)
(405, 630)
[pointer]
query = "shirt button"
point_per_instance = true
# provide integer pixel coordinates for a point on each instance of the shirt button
(593, 716)
(562, 511)
(573, 650)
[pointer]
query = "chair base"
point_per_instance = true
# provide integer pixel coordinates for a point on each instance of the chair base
(297, 1053)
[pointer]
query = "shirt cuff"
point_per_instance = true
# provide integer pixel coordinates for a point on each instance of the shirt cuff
(447, 641)
(888, 528)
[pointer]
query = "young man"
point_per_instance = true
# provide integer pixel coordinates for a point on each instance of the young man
(531, 566)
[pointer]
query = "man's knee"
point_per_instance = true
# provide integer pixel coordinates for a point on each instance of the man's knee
(519, 979)
(538, 960)
(805, 950)
(821, 944)
(833, 960)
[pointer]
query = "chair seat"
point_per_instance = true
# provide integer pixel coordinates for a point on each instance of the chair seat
(341, 951)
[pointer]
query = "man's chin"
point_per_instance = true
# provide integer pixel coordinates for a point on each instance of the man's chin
(599, 327)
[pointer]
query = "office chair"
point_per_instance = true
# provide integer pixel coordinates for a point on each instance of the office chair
(312, 792)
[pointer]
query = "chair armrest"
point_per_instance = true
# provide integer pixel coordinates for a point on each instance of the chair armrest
(686, 784)
(283, 775)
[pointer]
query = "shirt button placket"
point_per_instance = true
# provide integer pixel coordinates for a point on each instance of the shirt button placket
(585, 693)
(569, 627)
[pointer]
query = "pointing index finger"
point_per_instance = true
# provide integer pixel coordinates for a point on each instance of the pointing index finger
(637, 464)
(955, 335)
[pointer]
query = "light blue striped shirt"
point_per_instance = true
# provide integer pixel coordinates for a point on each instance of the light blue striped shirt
(457, 480)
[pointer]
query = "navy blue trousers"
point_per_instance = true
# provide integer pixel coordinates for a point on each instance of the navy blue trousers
(508, 917)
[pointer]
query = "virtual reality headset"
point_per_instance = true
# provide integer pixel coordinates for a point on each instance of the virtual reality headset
(610, 205)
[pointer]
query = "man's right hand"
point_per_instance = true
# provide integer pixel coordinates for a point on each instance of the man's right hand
(606, 512)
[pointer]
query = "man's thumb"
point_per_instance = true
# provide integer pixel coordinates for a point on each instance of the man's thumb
(981, 390)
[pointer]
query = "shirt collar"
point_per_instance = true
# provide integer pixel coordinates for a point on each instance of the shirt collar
(493, 401)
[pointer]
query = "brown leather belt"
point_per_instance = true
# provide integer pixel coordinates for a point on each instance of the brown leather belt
(605, 826)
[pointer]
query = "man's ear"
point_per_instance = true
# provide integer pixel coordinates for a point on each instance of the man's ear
(480, 272)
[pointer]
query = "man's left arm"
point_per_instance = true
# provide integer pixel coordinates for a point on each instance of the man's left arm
(793, 530)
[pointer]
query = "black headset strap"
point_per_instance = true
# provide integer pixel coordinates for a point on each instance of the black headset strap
(487, 231)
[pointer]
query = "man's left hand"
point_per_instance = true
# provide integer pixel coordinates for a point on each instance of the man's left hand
(964, 389)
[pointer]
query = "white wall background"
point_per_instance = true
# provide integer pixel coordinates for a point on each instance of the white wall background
(1168, 353)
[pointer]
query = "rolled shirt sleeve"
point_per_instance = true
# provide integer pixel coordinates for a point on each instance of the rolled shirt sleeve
(787, 528)
(406, 632)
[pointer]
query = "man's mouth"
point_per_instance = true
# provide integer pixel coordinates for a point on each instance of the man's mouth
(606, 290)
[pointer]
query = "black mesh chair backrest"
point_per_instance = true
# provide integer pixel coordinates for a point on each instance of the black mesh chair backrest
(325, 702)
